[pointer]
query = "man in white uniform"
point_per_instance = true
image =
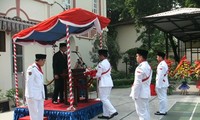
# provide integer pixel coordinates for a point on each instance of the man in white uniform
(162, 83)
(105, 85)
(34, 90)
(140, 92)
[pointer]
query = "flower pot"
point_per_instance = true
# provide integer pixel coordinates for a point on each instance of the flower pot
(198, 84)
(4, 106)
(153, 91)
(184, 86)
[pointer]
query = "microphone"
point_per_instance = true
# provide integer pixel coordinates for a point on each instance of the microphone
(74, 51)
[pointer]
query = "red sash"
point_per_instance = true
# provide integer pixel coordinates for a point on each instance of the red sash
(143, 80)
(105, 72)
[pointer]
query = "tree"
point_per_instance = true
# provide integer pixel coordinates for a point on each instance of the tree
(110, 44)
(113, 47)
(114, 11)
(133, 10)
(117, 11)
(141, 8)
(96, 46)
(191, 3)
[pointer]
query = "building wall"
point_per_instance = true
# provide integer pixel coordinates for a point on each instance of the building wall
(5, 66)
(35, 10)
(39, 10)
(126, 39)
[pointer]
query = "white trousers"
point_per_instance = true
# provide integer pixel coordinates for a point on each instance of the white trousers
(162, 96)
(104, 94)
(36, 109)
(142, 108)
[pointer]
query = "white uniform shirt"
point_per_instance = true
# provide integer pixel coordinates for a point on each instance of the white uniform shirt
(142, 81)
(34, 83)
(162, 75)
(103, 74)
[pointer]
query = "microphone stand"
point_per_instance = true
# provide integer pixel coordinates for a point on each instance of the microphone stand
(80, 58)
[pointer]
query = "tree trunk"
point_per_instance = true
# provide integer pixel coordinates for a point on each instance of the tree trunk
(176, 57)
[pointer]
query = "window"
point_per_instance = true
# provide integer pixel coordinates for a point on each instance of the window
(2, 41)
(67, 4)
(19, 57)
(95, 6)
(89, 35)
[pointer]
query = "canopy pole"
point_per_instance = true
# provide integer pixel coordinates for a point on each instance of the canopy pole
(71, 96)
(100, 40)
(16, 78)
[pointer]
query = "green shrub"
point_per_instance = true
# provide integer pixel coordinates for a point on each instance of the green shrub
(120, 75)
(123, 83)
(2, 96)
(10, 94)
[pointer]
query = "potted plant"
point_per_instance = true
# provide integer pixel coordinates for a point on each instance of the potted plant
(172, 81)
(183, 73)
(4, 103)
(11, 93)
(2, 96)
(195, 74)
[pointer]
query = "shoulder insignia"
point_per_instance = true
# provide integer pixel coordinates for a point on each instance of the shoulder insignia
(160, 68)
(29, 73)
(33, 66)
(138, 72)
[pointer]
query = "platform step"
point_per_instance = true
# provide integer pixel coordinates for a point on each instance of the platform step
(28, 118)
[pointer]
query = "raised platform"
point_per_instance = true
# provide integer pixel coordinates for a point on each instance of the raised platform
(84, 111)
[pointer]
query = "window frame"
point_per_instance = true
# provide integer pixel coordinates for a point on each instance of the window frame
(95, 6)
(68, 4)
(2, 42)
(19, 55)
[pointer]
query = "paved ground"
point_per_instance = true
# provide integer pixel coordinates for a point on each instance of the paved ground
(126, 109)
(183, 111)
(125, 105)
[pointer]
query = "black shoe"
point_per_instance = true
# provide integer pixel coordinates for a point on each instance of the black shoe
(158, 113)
(103, 117)
(55, 102)
(114, 114)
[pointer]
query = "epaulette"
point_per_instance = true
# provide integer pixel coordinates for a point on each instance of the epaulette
(140, 65)
(33, 66)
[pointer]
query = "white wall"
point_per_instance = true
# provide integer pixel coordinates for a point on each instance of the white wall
(126, 39)
(5, 66)
(35, 10)
(85, 46)
(5, 3)
(86, 4)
